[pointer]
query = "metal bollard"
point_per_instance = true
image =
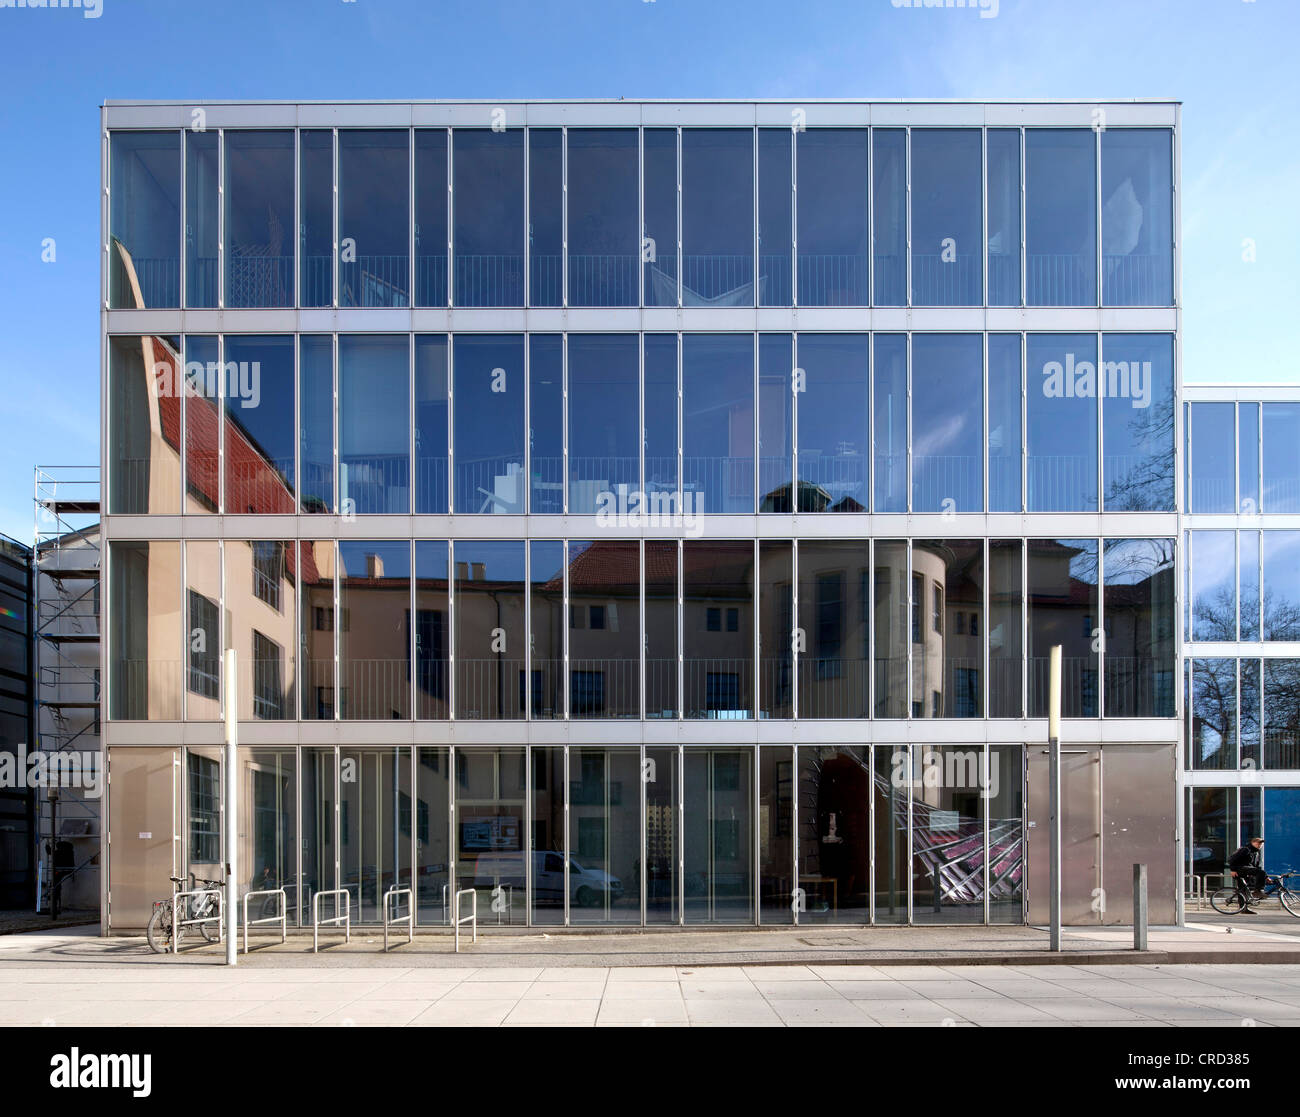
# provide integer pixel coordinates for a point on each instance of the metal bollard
(1139, 907)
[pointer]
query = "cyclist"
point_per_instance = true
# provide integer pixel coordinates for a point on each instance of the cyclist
(1248, 872)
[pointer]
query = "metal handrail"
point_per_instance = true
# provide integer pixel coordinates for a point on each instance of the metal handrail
(317, 922)
(282, 918)
(458, 919)
(1194, 889)
(178, 923)
(408, 918)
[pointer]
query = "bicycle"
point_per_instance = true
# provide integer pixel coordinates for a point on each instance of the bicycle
(164, 925)
(1227, 901)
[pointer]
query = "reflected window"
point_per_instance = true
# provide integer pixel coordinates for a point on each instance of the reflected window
(1281, 717)
(316, 218)
(604, 410)
(1212, 556)
(891, 595)
(1137, 227)
(947, 217)
(1061, 217)
(1004, 216)
(144, 267)
(375, 424)
(432, 635)
(834, 834)
(1281, 457)
(259, 407)
(832, 217)
(374, 218)
(834, 612)
(660, 629)
(889, 423)
(431, 425)
(490, 815)
(259, 219)
(775, 216)
(603, 249)
(718, 423)
(488, 213)
(718, 576)
(604, 835)
(776, 629)
(717, 217)
(375, 647)
(203, 218)
(832, 407)
(431, 217)
(948, 657)
(718, 821)
(1136, 385)
(316, 625)
(491, 639)
(546, 216)
(1139, 607)
(546, 419)
(316, 422)
(1061, 409)
(1210, 456)
(541, 691)
(489, 423)
(659, 235)
(1005, 628)
(1063, 609)
(947, 420)
(604, 629)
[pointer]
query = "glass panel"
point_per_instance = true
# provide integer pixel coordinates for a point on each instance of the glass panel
(1281, 717)
(947, 217)
(268, 800)
(718, 423)
(1004, 423)
(375, 424)
(947, 423)
(490, 800)
(832, 216)
(432, 411)
(889, 215)
(947, 834)
(374, 218)
(1210, 454)
(431, 192)
(1061, 217)
(319, 851)
(548, 836)
(316, 625)
(775, 423)
(488, 216)
(1281, 823)
(604, 630)
(834, 834)
(889, 418)
(144, 424)
(948, 661)
(892, 592)
(1248, 575)
(776, 633)
(432, 833)
(1137, 226)
(203, 803)
(834, 653)
(1062, 421)
(1251, 808)
(490, 631)
(489, 423)
(1214, 585)
(775, 216)
(432, 638)
(660, 629)
(659, 236)
(1247, 457)
(316, 422)
(1281, 565)
(1004, 216)
(889, 854)
(144, 631)
(203, 217)
(604, 412)
(1281, 457)
(660, 416)
(374, 852)
(717, 217)
(543, 694)
(1006, 620)
(546, 216)
(261, 619)
(259, 218)
(203, 643)
(375, 640)
(1249, 711)
(203, 388)
(1212, 830)
(832, 407)
(144, 268)
(603, 250)
(1214, 714)
(1137, 390)
(1139, 607)
(662, 897)
(1005, 799)
(718, 819)
(776, 895)
(259, 408)
(604, 835)
(1063, 610)
(316, 218)
(546, 418)
(718, 640)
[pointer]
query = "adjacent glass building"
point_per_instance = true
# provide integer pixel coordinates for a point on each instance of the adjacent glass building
(648, 513)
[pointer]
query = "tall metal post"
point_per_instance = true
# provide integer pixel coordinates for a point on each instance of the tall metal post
(232, 810)
(1054, 793)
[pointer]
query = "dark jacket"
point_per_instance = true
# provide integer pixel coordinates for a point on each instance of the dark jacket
(1247, 857)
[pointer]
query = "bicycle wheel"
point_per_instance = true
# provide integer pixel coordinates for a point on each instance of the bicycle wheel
(159, 931)
(1290, 901)
(210, 931)
(1226, 901)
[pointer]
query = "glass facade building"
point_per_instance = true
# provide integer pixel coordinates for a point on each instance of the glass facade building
(660, 513)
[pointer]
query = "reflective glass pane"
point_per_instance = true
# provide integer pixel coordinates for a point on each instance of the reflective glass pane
(1281, 454)
(259, 408)
(431, 217)
(375, 639)
(776, 631)
(889, 215)
(1061, 395)
(1281, 717)
(203, 217)
(1248, 579)
(268, 798)
(832, 216)
(889, 423)
(1006, 627)
(659, 234)
(717, 217)
(1004, 216)
(891, 594)
(718, 423)
(1280, 552)
(1140, 649)
(261, 581)
(1063, 609)
(259, 218)
(374, 852)
(890, 782)
(316, 624)
(834, 634)
(204, 380)
(1137, 390)
(775, 216)
(776, 896)
(605, 629)
(488, 216)
(316, 422)
(319, 831)
(947, 834)
(1214, 585)
(718, 820)
(375, 423)
(1281, 819)
(431, 424)
(316, 218)
(832, 406)
(432, 834)
(718, 637)
(1247, 457)
(834, 834)
(603, 249)
(374, 218)
(548, 837)
(489, 423)
(662, 796)
(948, 659)
(947, 217)
(144, 424)
(604, 835)
(1212, 829)
(144, 267)
(947, 422)
(1005, 798)
(1248, 671)
(660, 629)
(1210, 455)
(541, 691)
(546, 216)
(1004, 423)
(604, 412)
(660, 415)
(490, 632)
(432, 635)
(203, 630)
(490, 816)
(1137, 226)
(1061, 216)
(775, 423)
(546, 419)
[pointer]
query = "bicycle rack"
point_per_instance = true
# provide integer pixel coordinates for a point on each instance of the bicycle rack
(1194, 890)
(317, 922)
(177, 923)
(395, 894)
(282, 918)
(471, 918)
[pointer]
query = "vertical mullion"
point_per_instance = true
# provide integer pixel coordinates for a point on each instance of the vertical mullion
(334, 204)
(798, 897)
(681, 260)
(451, 209)
(528, 218)
(1023, 159)
(794, 216)
(411, 301)
(987, 802)
(984, 238)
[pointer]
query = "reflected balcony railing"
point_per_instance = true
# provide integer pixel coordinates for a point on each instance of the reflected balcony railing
(833, 280)
(718, 689)
(375, 281)
(1137, 280)
(377, 689)
(317, 281)
(834, 687)
(1060, 279)
(937, 281)
(159, 280)
(143, 689)
(1062, 483)
(489, 280)
(375, 484)
(617, 695)
(1139, 686)
(1078, 686)
(661, 687)
(203, 281)
(1213, 494)
(488, 689)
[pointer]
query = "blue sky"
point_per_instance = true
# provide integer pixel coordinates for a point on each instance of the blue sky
(1231, 62)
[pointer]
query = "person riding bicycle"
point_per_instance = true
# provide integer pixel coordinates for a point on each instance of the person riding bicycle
(1248, 872)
